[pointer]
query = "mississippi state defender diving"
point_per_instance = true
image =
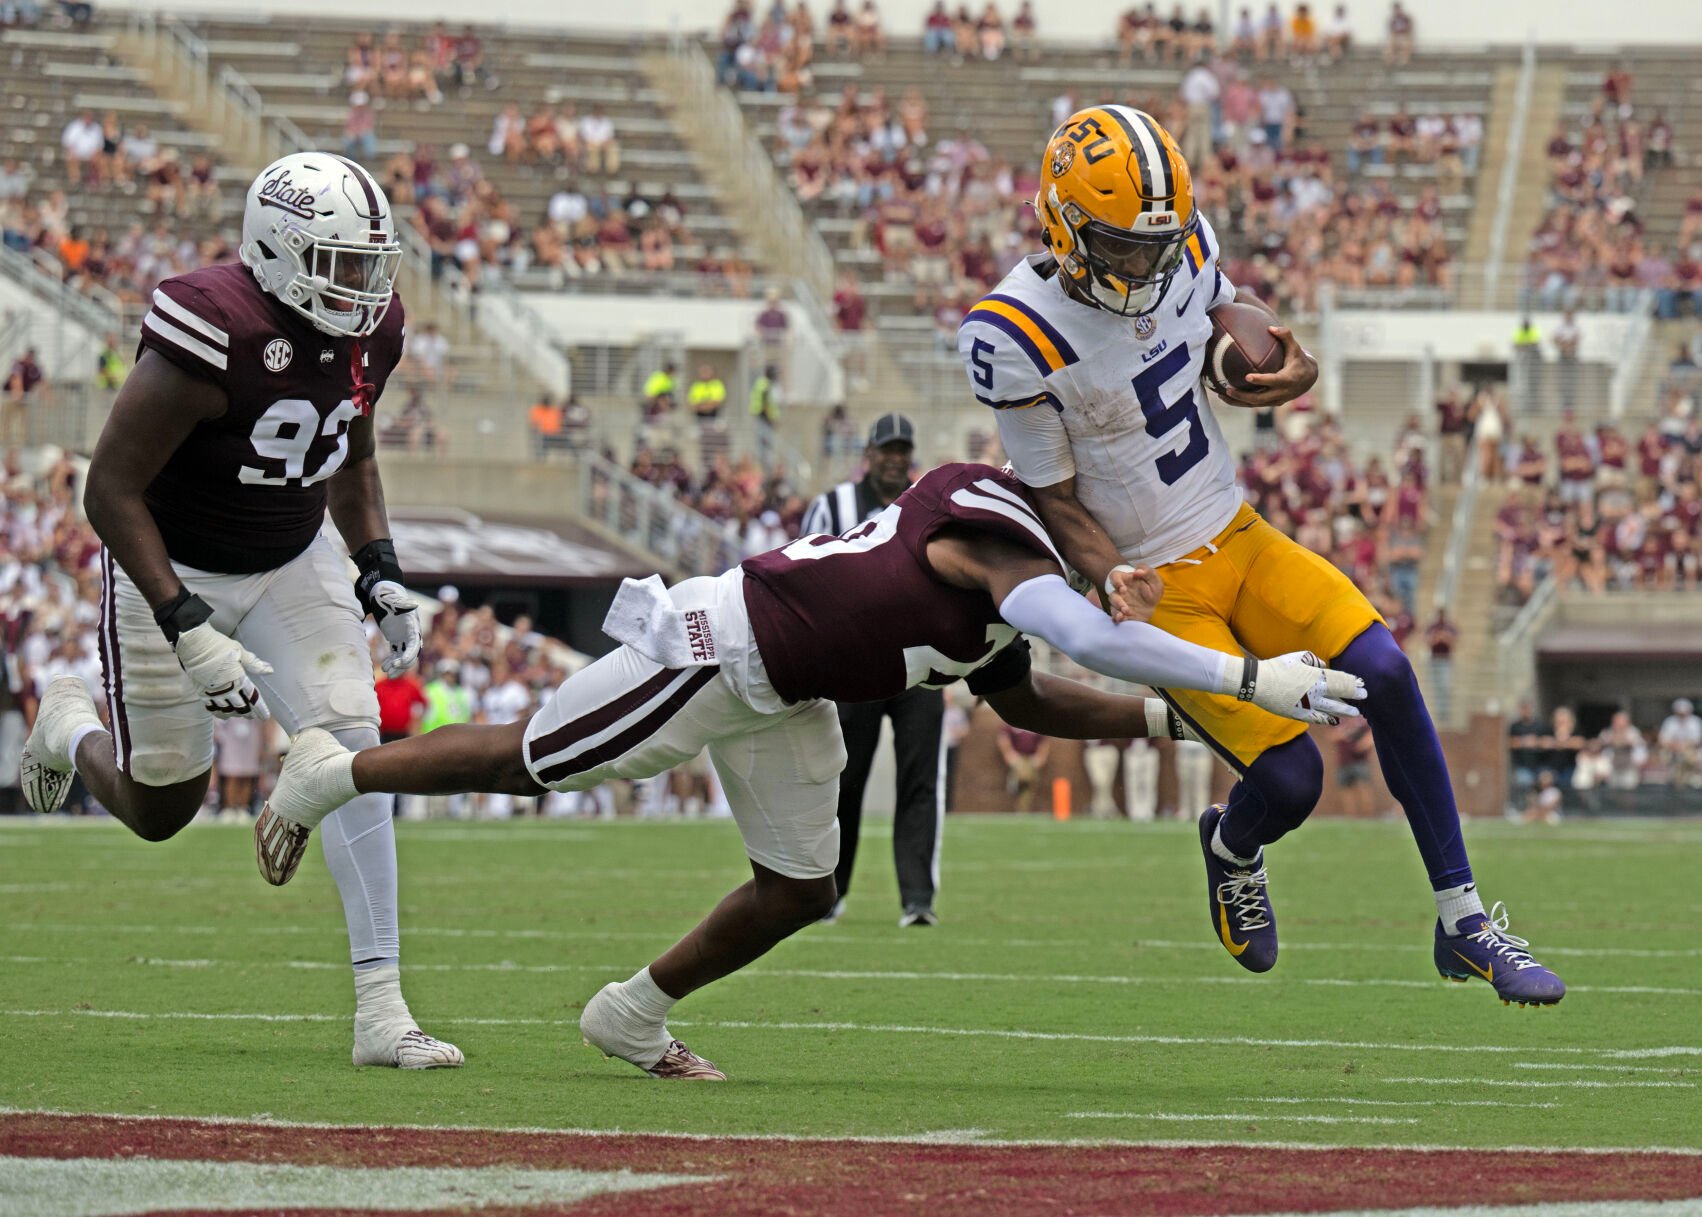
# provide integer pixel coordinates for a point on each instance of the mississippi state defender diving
(1091, 353)
(248, 412)
(940, 586)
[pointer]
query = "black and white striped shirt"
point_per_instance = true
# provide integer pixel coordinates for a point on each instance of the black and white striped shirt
(841, 508)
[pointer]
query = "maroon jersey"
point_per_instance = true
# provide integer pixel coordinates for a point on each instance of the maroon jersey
(862, 617)
(246, 491)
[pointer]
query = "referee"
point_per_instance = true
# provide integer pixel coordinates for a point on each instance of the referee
(918, 715)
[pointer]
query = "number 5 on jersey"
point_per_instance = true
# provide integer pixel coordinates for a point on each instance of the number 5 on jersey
(1162, 419)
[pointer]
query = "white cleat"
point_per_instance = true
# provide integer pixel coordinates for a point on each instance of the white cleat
(651, 1049)
(316, 779)
(45, 765)
(403, 1047)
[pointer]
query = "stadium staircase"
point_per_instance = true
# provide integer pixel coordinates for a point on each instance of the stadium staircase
(1567, 85)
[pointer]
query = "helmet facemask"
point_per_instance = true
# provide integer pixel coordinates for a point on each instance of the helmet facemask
(345, 287)
(1128, 272)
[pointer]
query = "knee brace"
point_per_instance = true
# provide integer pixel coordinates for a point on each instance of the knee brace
(356, 739)
(349, 705)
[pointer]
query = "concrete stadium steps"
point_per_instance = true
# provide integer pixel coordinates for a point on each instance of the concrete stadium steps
(1663, 78)
(1530, 189)
(51, 76)
(1664, 340)
(305, 85)
(1007, 106)
(1476, 672)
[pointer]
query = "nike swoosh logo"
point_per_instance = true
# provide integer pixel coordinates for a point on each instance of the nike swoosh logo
(1183, 307)
(1235, 948)
(1487, 973)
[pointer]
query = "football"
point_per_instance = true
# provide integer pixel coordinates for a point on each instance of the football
(1241, 344)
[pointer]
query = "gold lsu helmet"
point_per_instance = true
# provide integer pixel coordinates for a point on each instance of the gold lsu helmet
(1116, 203)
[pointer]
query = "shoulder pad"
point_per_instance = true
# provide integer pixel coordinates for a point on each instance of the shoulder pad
(1008, 351)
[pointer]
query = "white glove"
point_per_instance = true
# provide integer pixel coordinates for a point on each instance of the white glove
(398, 619)
(1296, 685)
(219, 666)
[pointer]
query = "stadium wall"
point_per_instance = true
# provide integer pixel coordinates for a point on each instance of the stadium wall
(1476, 760)
(1439, 22)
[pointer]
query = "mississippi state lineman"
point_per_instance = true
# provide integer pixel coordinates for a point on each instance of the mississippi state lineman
(1091, 353)
(918, 713)
(250, 410)
(938, 587)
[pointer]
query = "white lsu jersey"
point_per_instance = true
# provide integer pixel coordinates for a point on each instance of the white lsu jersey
(1115, 402)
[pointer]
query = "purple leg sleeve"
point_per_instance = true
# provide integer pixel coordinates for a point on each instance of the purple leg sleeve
(1274, 796)
(1409, 752)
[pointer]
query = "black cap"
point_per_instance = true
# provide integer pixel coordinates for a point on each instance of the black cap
(892, 428)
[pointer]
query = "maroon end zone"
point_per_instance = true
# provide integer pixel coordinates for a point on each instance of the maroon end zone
(865, 1178)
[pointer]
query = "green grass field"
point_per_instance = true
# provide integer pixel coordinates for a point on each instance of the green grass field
(1074, 990)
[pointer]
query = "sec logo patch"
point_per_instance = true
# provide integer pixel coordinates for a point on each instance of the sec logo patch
(1144, 326)
(277, 355)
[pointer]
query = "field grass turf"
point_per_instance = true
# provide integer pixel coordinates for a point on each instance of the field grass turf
(1074, 990)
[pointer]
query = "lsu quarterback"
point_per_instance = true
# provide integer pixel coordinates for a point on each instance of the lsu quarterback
(1091, 354)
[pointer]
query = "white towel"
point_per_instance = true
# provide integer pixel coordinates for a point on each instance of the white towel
(645, 618)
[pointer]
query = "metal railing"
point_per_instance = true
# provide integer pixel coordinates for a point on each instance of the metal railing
(1459, 534)
(1628, 367)
(515, 328)
(227, 96)
(75, 323)
(1508, 185)
(738, 145)
(655, 521)
(1515, 645)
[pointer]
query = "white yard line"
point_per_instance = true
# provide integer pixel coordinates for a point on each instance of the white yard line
(1395, 1102)
(1610, 1068)
(1065, 978)
(1572, 1084)
(1180, 1117)
(876, 1029)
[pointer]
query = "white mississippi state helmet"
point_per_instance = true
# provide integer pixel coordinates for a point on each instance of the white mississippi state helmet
(318, 234)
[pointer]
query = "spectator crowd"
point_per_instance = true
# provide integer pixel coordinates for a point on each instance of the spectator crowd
(946, 216)
(1554, 767)
(1601, 509)
(1592, 247)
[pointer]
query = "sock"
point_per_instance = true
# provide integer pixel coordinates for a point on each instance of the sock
(647, 998)
(1223, 851)
(359, 842)
(77, 735)
(629, 1019)
(1409, 753)
(1453, 904)
(378, 996)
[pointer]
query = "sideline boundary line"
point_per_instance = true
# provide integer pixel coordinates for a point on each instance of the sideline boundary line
(951, 1137)
(893, 1029)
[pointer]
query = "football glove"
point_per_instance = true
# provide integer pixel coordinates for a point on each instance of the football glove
(1298, 685)
(379, 587)
(217, 665)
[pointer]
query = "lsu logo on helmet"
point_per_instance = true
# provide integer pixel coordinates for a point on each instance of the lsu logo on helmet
(1116, 204)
